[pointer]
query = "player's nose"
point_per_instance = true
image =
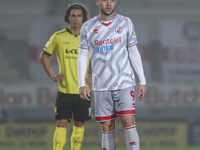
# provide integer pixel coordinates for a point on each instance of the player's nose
(108, 2)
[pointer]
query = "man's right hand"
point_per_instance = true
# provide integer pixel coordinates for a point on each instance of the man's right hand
(84, 93)
(58, 78)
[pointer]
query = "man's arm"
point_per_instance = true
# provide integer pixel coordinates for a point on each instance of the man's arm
(88, 80)
(44, 59)
(136, 62)
(82, 68)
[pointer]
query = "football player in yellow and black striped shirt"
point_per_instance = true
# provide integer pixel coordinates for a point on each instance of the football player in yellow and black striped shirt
(65, 43)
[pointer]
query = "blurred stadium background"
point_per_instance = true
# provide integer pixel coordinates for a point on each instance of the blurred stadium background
(169, 42)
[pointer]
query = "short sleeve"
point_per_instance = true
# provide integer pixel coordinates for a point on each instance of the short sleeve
(83, 43)
(51, 45)
(132, 38)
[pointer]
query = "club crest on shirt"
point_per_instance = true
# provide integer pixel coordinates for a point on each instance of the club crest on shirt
(118, 29)
(133, 30)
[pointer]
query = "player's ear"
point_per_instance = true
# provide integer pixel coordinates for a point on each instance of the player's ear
(97, 2)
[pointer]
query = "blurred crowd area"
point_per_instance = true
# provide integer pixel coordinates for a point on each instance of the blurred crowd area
(168, 33)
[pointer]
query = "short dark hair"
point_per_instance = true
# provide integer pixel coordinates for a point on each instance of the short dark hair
(86, 15)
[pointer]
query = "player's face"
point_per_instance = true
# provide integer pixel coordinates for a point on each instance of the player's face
(106, 6)
(76, 18)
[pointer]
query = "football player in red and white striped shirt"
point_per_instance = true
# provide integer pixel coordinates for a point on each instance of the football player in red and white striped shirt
(111, 40)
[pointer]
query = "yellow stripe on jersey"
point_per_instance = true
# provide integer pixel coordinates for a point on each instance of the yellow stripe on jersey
(66, 46)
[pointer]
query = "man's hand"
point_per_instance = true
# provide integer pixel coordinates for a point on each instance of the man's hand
(58, 78)
(141, 91)
(84, 93)
(88, 80)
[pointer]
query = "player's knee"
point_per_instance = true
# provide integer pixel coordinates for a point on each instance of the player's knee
(108, 126)
(78, 123)
(62, 123)
(127, 121)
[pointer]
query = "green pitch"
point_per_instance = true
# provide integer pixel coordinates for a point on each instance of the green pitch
(99, 148)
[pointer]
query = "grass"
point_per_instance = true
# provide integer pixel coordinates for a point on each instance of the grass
(99, 148)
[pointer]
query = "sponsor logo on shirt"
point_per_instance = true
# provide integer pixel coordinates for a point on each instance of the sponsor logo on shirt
(106, 45)
(95, 31)
(72, 51)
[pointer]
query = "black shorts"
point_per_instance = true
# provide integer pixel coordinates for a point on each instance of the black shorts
(68, 105)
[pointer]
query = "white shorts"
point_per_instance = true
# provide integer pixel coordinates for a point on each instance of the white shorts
(110, 104)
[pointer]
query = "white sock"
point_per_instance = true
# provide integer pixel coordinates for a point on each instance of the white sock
(132, 138)
(108, 140)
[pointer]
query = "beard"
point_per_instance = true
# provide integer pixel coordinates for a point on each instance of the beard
(107, 14)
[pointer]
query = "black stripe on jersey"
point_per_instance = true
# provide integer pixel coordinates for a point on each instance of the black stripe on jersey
(46, 53)
(71, 32)
(62, 31)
